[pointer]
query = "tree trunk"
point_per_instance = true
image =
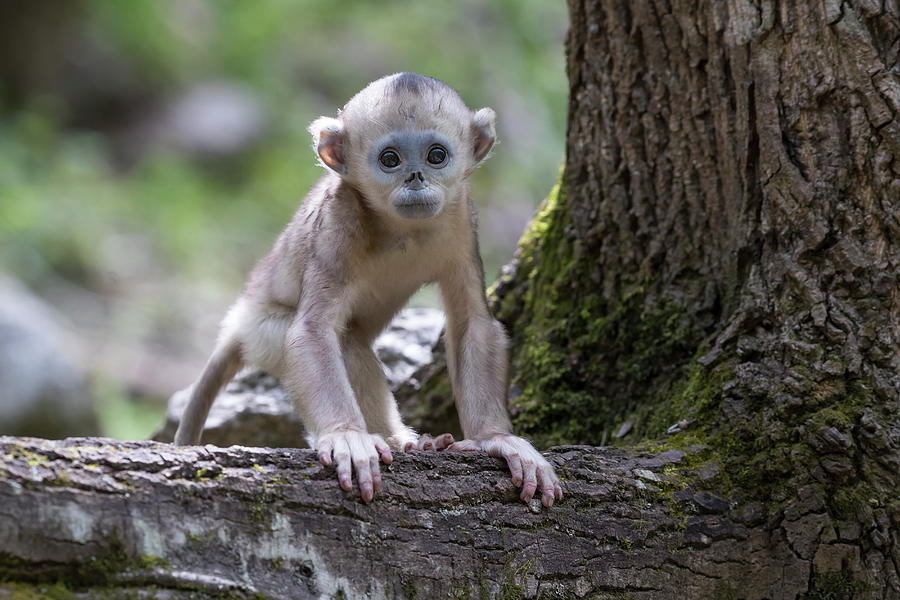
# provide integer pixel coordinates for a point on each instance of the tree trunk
(721, 261)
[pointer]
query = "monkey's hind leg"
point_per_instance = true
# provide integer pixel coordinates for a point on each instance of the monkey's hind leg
(224, 363)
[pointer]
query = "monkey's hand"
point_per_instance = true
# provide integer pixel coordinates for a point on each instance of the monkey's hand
(529, 469)
(350, 446)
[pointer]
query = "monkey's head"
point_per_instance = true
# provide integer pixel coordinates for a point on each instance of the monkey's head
(407, 143)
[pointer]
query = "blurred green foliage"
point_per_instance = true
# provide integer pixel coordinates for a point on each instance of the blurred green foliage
(61, 199)
(58, 194)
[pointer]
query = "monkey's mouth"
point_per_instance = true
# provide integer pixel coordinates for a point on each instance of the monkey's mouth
(417, 204)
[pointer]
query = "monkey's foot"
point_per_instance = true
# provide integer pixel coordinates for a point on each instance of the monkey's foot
(361, 450)
(529, 468)
(426, 442)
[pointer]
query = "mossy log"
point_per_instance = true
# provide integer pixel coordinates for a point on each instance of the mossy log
(85, 517)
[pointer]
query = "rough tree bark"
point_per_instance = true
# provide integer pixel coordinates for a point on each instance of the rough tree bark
(720, 262)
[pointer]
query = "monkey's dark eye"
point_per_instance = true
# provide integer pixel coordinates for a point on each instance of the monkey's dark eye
(436, 155)
(389, 159)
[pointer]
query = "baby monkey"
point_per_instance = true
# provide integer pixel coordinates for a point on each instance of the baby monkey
(392, 213)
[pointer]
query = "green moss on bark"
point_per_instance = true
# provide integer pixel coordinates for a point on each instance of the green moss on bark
(837, 585)
(58, 581)
(581, 363)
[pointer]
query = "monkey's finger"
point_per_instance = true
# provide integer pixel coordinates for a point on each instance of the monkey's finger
(546, 479)
(342, 457)
(361, 465)
(383, 449)
(443, 442)
(515, 467)
(529, 479)
(325, 448)
(376, 474)
(553, 482)
(547, 497)
(425, 442)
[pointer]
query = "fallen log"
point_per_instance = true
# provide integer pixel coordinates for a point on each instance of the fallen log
(93, 515)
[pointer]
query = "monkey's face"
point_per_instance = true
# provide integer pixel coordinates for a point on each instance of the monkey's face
(413, 173)
(407, 143)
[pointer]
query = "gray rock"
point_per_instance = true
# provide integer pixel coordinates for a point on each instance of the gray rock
(408, 343)
(217, 118)
(253, 409)
(42, 392)
(211, 120)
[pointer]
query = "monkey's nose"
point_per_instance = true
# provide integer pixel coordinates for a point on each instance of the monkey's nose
(415, 180)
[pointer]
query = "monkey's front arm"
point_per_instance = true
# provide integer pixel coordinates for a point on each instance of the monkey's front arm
(317, 381)
(320, 370)
(477, 361)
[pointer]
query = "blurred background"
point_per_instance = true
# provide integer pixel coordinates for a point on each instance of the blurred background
(152, 150)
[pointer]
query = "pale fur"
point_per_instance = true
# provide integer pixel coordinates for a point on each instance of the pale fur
(346, 264)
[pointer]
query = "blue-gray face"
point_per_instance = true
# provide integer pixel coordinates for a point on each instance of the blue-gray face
(417, 165)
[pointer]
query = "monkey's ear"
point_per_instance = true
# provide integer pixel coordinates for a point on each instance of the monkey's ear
(483, 130)
(328, 141)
